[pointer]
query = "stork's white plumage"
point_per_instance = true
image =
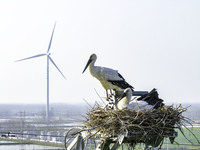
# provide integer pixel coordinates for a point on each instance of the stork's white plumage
(126, 102)
(109, 78)
(139, 105)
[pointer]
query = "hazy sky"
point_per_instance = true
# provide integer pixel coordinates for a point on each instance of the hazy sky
(153, 44)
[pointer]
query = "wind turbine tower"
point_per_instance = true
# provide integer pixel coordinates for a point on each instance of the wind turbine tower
(47, 54)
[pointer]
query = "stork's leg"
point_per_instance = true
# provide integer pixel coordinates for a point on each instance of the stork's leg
(111, 92)
(107, 98)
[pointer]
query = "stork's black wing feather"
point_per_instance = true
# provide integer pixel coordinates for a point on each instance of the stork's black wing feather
(120, 76)
(152, 99)
(121, 83)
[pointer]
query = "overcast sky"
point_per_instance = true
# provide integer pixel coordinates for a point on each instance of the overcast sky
(153, 44)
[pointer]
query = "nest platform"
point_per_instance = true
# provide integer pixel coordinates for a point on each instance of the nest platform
(134, 127)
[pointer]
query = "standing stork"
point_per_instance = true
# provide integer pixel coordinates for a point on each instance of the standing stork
(110, 79)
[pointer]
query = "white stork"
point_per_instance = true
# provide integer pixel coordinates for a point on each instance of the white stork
(109, 78)
(147, 102)
(126, 98)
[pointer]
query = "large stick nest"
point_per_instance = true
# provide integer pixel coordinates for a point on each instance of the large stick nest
(158, 123)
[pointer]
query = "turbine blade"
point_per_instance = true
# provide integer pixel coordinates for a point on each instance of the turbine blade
(56, 66)
(39, 55)
(51, 38)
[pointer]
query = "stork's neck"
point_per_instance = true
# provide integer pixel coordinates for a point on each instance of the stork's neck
(128, 98)
(93, 69)
(125, 100)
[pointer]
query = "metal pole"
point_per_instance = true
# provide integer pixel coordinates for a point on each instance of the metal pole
(47, 106)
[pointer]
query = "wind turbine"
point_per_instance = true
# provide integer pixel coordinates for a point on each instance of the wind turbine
(47, 54)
